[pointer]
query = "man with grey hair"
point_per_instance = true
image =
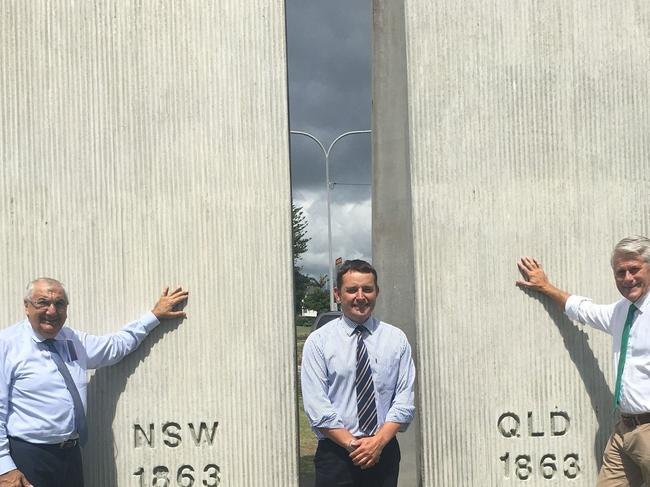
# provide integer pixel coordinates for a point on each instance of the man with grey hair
(43, 384)
(626, 460)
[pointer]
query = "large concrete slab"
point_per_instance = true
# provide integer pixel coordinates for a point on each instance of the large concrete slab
(145, 144)
(528, 132)
(392, 232)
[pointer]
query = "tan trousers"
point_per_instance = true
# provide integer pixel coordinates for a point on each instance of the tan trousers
(626, 461)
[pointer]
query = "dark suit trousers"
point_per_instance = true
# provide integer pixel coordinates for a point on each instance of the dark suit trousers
(48, 465)
(334, 467)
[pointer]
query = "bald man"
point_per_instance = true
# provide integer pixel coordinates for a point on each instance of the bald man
(43, 383)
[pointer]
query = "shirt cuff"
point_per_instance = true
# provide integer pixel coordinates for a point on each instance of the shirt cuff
(572, 306)
(6, 463)
(403, 418)
(149, 321)
(329, 422)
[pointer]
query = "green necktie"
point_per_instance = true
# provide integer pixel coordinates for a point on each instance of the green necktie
(621, 359)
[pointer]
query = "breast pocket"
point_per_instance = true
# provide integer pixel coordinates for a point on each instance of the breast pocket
(385, 371)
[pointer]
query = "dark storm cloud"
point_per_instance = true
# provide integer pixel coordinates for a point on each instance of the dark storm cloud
(329, 53)
(329, 87)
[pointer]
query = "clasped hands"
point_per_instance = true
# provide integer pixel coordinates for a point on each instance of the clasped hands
(14, 478)
(365, 452)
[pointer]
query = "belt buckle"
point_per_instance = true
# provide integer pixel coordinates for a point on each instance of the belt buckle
(71, 443)
(631, 421)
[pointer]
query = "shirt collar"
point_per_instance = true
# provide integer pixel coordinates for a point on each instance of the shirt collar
(35, 336)
(642, 302)
(350, 326)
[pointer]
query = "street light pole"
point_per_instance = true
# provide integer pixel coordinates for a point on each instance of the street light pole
(328, 185)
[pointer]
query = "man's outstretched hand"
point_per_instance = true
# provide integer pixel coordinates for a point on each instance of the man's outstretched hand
(168, 305)
(535, 279)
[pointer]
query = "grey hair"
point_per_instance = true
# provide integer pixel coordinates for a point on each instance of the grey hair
(49, 281)
(633, 246)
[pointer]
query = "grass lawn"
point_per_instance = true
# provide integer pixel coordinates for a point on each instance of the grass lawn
(307, 438)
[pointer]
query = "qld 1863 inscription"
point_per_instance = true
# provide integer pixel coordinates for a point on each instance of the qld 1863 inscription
(173, 434)
(521, 465)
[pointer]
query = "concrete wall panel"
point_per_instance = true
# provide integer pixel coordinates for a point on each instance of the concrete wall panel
(528, 134)
(145, 144)
(392, 231)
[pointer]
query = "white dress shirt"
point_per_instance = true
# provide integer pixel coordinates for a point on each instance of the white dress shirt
(635, 384)
(328, 371)
(35, 404)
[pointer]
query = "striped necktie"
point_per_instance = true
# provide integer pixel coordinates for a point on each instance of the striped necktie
(621, 358)
(79, 413)
(366, 407)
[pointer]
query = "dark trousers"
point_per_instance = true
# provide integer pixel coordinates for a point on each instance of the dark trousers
(335, 468)
(48, 465)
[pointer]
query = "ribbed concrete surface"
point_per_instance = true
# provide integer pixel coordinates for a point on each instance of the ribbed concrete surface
(145, 144)
(529, 134)
(392, 230)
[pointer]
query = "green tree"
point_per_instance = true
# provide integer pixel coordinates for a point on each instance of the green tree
(317, 298)
(300, 240)
(299, 228)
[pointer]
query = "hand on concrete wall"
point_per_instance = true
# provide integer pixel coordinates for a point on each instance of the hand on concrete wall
(535, 279)
(168, 304)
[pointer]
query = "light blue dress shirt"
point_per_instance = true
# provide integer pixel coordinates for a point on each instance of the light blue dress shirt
(329, 361)
(35, 404)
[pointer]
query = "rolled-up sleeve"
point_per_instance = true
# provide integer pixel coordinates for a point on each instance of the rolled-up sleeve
(402, 409)
(313, 378)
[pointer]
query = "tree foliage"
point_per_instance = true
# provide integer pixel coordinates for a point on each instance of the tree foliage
(300, 241)
(300, 285)
(299, 230)
(317, 296)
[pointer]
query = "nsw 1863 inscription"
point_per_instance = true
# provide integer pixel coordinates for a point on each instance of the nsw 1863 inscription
(172, 435)
(551, 465)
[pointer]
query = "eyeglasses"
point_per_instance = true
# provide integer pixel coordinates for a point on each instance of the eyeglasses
(45, 304)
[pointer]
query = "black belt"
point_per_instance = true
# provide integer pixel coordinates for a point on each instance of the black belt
(63, 445)
(634, 420)
(68, 443)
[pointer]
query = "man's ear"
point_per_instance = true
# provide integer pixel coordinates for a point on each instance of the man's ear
(337, 295)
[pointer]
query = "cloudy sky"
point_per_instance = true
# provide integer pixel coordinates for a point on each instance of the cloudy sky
(329, 52)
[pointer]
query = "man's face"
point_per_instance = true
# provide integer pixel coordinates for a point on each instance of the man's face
(357, 295)
(47, 309)
(632, 276)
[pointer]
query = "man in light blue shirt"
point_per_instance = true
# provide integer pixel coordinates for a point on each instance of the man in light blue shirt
(357, 379)
(43, 384)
